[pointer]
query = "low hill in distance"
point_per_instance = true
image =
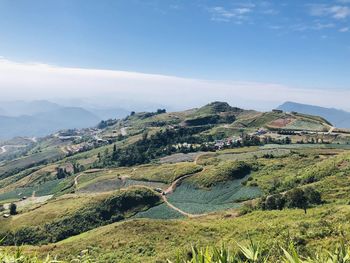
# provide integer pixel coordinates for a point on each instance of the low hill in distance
(41, 117)
(44, 123)
(339, 118)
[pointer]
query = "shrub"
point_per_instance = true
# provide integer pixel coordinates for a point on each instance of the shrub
(13, 209)
(295, 198)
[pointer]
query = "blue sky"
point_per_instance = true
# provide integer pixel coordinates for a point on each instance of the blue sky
(301, 44)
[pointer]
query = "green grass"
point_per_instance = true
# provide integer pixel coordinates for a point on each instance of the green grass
(222, 172)
(115, 207)
(165, 173)
(147, 240)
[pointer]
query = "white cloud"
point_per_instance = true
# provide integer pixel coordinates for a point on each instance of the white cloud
(222, 14)
(344, 29)
(41, 81)
(315, 26)
(335, 11)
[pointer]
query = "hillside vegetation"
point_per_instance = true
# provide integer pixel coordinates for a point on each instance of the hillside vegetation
(148, 187)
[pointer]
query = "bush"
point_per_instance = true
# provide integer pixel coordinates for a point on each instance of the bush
(295, 198)
(13, 209)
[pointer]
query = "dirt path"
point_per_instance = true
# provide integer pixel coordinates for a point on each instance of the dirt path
(165, 200)
(123, 131)
(3, 149)
(76, 180)
(172, 188)
(179, 210)
(174, 184)
(331, 130)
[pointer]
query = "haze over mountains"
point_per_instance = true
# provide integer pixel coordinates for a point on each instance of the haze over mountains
(40, 118)
(338, 118)
(43, 117)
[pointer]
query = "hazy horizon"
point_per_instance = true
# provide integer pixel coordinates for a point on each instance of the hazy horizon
(34, 81)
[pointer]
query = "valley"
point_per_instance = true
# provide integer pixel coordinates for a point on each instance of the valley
(143, 188)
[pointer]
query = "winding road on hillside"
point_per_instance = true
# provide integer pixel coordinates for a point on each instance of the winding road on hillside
(3, 149)
(172, 188)
(169, 190)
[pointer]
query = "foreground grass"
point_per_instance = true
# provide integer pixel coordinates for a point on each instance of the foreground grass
(253, 253)
(145, 240)
(242, 254)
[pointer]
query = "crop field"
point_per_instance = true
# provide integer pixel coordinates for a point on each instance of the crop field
(29, 161)
(251, 155)
(307, 146)
(305, 125)
(196, 200)
(40, 190)
(280, 123)
(260, 120)
(165, 173)
(161, 211)
(92, 176)
(113, 184)
(180, 157)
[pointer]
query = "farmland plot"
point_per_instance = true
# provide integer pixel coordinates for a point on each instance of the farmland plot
(250, 155)
(161, 211)
(44, 189)
(113, 184)
(195, 200)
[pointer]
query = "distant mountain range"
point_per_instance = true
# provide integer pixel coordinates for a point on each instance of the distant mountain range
(338, 118)
(40, 118)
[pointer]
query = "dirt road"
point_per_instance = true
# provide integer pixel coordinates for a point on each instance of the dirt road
(3, 149)
(123, 131)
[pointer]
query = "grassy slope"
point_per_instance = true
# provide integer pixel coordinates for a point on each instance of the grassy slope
(62, 218)
(160, 239)
(149, 240)
(52, 210)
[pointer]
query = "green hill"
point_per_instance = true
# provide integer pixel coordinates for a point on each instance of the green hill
(143, 187)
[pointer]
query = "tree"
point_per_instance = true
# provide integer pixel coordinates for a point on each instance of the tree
(296, 198)
(13, 209)
(288, 140)
(61, 173)
(313, 196)
(274, 202)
